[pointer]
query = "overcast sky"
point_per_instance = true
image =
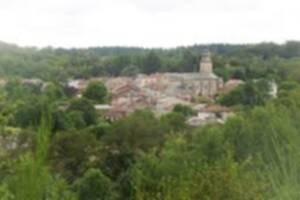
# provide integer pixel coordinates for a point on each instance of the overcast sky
(147, 23)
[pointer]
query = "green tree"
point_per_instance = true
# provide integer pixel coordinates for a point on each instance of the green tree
(130, 70)
(86, 107)
(96, 91)
(152, 63)
(76, 118)
(29, 113)
(54, 92)
(288, 86)
(128, 138)
(5, 194)
(249, 94)
(94, 185)
(60, 121)
(16, 90)
(189, 61)
(184, 169)
(32, 179)
(184, 110)
(71, 154)
(173, 121)
(139, 131)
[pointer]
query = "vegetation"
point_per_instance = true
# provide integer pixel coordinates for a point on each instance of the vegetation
(56, 146)
(249, 94)
(96, 91)
(184, 110)
(246, 62)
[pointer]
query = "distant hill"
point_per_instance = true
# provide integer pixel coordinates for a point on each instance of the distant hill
(4, 45)
(244, 60)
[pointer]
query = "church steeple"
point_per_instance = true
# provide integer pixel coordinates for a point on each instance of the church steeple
(206, 65)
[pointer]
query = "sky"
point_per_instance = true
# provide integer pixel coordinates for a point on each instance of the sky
(147, 23)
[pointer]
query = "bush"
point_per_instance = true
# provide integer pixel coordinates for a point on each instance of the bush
(173, 122)
(184, 110)
(87, 109)
(94, 185)
(96, 91)
(71, 154)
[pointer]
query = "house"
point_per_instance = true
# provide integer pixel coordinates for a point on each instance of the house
(78, 84)
(128, 90)
(103, 107)
(115, 113)
(113, 84)
(221, 113)
(211, 114)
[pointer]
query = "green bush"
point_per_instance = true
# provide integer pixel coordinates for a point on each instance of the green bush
(94, 185)
(96, 91)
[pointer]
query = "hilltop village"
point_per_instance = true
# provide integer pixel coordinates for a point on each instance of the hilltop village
(160, 92)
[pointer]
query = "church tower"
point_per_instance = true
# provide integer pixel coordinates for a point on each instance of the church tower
(206, 65)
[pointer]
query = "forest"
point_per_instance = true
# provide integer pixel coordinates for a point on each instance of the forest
(58, 65)
(54, 146)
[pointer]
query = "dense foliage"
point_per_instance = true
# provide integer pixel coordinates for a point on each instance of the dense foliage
(231, 61)
(96, 91)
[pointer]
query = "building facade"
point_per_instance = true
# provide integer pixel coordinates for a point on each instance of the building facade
(204, 83)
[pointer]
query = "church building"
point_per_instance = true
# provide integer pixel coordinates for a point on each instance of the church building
(209, 83)
(202, 83)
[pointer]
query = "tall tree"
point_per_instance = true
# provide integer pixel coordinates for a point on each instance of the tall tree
(189, 61)
(152, 63)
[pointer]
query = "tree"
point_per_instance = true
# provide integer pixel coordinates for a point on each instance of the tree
(288, 86)
(130, 70)
(16, 90)
(96, 91)
(173, 121)
(54, 92)
(86, 107)
(94, 185)
(152, 63)
(184, 110)
(60, 121)
(189, 61)
(5, 194)
(71, 154)
(249, 94)
(100, 129)
(29, 113)
(140, 131)
(76, 118)
(291, 49)
(199, 168)
(115, 65)
(31, 178)
(128, 138)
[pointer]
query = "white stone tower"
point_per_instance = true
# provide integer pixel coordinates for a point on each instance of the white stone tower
(206, 65)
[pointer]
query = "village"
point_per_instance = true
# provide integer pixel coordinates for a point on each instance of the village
(161, 92)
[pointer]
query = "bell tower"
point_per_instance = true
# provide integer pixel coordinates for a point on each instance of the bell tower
(206, 65)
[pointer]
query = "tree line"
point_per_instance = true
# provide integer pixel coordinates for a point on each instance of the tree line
(231, 61)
